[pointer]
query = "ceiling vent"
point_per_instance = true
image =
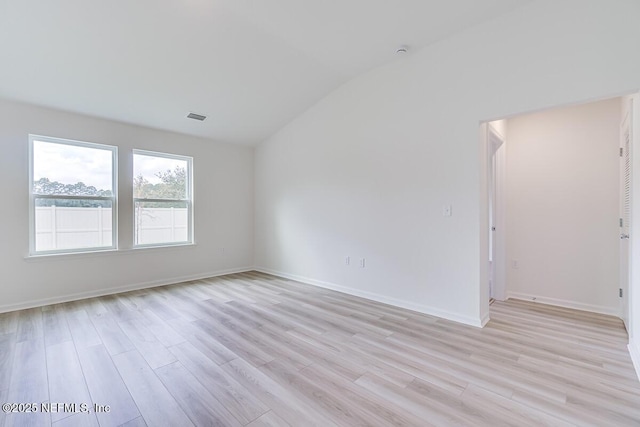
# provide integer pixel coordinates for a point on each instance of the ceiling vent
(195, 116)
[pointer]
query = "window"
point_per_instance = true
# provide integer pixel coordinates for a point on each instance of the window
(72, 196)
(162, 199)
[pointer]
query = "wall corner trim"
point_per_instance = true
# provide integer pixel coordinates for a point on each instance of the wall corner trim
(634, 352)
(419, 308)
(485, 319)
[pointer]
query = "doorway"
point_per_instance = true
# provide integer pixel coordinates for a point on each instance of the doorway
(565, 186)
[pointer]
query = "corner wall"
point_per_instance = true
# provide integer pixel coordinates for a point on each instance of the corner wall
(223, 212)
(367, 171)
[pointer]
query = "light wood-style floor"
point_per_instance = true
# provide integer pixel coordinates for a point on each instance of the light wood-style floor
(256, 350)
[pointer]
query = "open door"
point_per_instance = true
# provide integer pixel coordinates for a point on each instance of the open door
(625, 212)
(497, 221)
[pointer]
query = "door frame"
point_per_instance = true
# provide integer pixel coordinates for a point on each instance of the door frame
(626, 127)
(497, 212)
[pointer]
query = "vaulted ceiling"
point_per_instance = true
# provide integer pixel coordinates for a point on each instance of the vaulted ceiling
(251, 66)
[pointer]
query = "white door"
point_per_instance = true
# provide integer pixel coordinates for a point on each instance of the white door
(625, 214)
(496, 221)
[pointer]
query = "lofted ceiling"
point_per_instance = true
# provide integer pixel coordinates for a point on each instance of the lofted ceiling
(251, 66)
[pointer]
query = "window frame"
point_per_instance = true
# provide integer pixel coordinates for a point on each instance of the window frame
(33, 196)
(189, 200)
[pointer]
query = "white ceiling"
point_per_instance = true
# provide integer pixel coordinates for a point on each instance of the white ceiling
(250, 65)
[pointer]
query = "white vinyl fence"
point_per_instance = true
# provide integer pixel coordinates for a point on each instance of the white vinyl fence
(65, 228)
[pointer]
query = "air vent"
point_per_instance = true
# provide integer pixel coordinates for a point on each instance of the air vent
(195, 116)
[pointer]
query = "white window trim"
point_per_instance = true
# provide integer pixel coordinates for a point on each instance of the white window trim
(189, 173)
(33, 197)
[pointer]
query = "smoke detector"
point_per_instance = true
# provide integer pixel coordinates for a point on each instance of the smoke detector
(402, 49)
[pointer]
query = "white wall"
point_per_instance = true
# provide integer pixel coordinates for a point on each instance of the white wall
(223, 185)
(367, 170)
(563, 196)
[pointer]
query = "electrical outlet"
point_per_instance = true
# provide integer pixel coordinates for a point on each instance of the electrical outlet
(347, 260)
(514, 264)
(362, 262)
(447, 210)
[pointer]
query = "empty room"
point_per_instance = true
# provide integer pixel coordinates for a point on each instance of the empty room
(238, 213)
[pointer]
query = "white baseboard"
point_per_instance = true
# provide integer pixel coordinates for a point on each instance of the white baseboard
(424, 309)
(634, 351)
(485, 320)
(110, 291)
(566, 303)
